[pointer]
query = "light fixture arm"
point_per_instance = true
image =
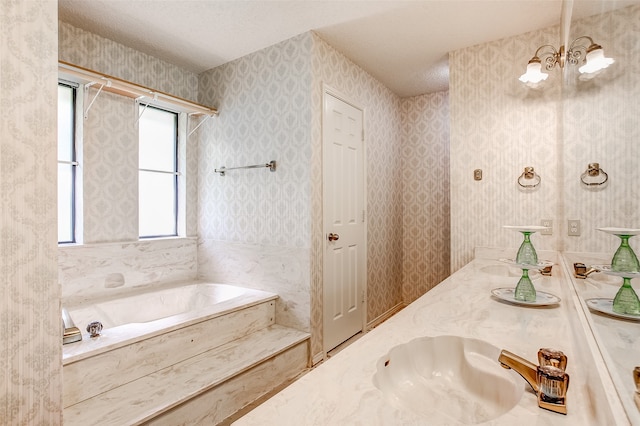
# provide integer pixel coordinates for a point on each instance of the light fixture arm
(577, 51)
(550, 55)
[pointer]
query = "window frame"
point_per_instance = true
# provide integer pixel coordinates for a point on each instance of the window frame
(176, 172)
(74, 163)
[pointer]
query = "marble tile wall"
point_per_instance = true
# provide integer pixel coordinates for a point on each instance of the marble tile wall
(30, 332)
(96, 270)
(425, 194)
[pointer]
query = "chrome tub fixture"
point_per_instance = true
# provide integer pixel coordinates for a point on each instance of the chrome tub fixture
(548, 380)
(590, 57)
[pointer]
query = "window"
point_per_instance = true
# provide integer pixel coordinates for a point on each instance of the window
(158, 175)
(67, 163)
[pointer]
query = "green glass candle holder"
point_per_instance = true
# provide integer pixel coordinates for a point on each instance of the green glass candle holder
(624, 259)
(525, 291)
(626, 301)
(527, 253)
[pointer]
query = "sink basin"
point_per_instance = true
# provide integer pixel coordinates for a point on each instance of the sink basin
(508, 271)
(448, 379)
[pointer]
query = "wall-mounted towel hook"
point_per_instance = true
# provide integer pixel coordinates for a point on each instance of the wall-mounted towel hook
(529, 178)
(594, 175)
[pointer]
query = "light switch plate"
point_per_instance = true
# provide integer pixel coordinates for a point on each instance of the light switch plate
(574, 228)
(549, 224)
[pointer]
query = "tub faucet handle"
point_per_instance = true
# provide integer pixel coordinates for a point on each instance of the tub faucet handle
(94, 328)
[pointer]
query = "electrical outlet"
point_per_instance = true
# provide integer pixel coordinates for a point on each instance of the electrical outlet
(574, 228)
(549, 224)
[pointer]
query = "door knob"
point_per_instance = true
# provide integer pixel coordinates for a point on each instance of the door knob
(333, 237)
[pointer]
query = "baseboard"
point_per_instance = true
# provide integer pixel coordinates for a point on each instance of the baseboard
(317, 358)
(385, 316)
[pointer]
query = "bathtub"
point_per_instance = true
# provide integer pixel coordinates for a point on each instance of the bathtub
(141, 315)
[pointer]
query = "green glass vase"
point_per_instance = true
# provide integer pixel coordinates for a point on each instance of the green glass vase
(526, 253)
(525, 291)
(625, 260)
(626, 300)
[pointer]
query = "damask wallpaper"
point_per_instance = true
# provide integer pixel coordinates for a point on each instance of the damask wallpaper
(602, 124)
(500, 126)
(30, 326)
(383, 146)
(425, 193)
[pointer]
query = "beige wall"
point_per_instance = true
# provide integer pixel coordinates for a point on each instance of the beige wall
(30, 333)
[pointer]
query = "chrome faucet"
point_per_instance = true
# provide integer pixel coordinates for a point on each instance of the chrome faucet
(70, 333)
(580, 270)
(548, 380)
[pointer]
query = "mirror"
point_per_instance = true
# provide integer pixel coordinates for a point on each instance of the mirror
(601, 124)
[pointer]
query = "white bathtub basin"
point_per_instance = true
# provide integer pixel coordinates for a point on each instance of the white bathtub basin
(448, 379)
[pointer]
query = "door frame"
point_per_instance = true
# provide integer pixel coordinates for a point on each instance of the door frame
(328, 90)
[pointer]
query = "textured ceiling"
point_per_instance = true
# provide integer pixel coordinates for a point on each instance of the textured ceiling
(404, 44)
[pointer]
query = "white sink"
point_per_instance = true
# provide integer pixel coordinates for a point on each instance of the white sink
(448, 379)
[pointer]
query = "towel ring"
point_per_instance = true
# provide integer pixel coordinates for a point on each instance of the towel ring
(594, 171)
(529, 174)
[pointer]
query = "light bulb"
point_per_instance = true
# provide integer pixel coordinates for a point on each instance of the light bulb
(595, 61)
(534, 74)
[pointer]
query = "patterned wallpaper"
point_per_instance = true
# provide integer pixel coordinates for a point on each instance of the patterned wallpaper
(602, 124)
(89, 50)
(110, 164)
(30, 342)
(110, 170)
(425, 194)
(500, 126)
(254, 225)
(383, 145)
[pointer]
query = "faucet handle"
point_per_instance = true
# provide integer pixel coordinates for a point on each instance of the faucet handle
(553, 358)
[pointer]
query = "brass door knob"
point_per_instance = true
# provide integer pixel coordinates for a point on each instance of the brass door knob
(333, 237)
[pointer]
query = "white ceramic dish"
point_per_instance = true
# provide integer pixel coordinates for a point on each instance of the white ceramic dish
(607, 270)
(605, 306)
(620, 231)
(530, 228)
(542, 298)
(540, 265)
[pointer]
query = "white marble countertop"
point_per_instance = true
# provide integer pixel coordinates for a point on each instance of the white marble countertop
(341, 391)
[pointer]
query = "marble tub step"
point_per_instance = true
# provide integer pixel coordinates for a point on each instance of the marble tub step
(147, 397)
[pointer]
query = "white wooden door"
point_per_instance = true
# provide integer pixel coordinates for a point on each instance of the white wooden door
(344, 262)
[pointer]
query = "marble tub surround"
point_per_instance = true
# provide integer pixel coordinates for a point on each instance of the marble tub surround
(144, 371)
(618, 340)
(341, 391)
(283, 270)
(100, 270)
(140, 315)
